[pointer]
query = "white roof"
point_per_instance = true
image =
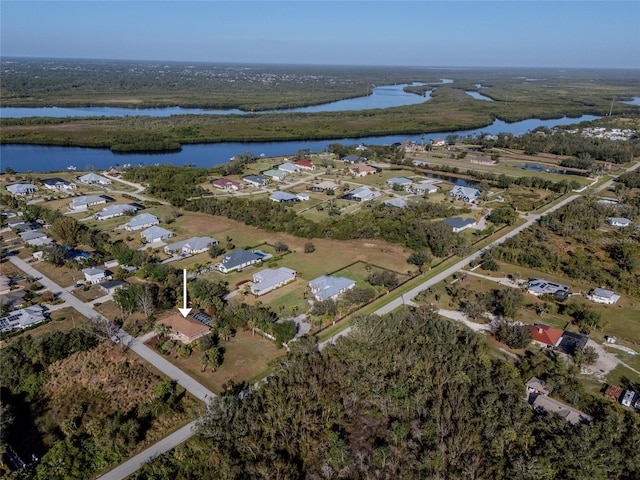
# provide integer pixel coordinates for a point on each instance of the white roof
(155, 232)
(115, 210)
(21, 188)
(142, 219)
(93, 178)
(87, 200)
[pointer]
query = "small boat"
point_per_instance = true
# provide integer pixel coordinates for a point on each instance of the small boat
(71, 167)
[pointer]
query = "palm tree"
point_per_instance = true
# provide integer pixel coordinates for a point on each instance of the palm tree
(210, 358)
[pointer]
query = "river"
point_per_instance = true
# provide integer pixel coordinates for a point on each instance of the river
(37, 158)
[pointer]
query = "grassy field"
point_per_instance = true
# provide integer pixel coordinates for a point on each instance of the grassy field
(247, 358)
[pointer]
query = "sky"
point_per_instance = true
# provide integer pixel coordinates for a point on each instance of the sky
(516, 33)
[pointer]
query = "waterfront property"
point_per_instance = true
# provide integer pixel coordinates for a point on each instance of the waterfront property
(466, 194)
(423, 188)
(237, 260)
(84, 202)
(92, 179)
(403, 182)
(22, 189)
(600, 295)
(190, 246)
(269, 279)
(144, 220)
(326, 287)
(57, 184)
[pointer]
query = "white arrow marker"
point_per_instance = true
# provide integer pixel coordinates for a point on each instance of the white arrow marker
(184, 310)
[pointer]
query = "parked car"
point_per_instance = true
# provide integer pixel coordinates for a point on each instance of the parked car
(628, 398)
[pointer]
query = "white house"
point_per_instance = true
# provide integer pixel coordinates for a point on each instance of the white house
(144, 220)
(396, 202)
(190, 246)
(256, 180)
(277, 175)
(84, 202)
(113, 211)
(227, 184)
(303, 197)
(403, 182)
(57, 184)
(22, 188)
(459, 224)
(95, 275)
(155, 234)
(619, 222)
(305, 164)
(466, 194)
(269, 279)
(362, 194)
(21, 319)
(92, 178)
(600, 295)
(423, 188)
(289, 167)
(327, 287)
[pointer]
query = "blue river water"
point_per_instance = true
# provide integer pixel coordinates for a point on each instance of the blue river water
(22, 158)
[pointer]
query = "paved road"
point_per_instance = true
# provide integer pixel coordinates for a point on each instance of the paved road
(167, 443)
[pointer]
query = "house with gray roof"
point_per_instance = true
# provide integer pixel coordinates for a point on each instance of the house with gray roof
(21, 319)
(396, 202)
(32, 235)
(57, 184)
(539, 287)
(326, 287)
(155, 234)
(110, 286)
(423, 188)
(466, 194)
(143, 220)
(113, 211)
(13, 299)
(353, 159)
(400, 181)
(619, 222)
(269, 279)
(600, 295)
(283, 197)
(92, 178)
(22, 188)
(324, 186)
(237, 260)
(277, 175)
(459, 224)
(289, 167)
(255, 180)
(190, 246)
(95, 275)
(86, 201)
(362, 194)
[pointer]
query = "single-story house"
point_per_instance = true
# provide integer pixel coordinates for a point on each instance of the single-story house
(362, 170)
(305, 164)
(22, 188)
(143, 220)
(21, 225)
(155, 234)
(227, 184)
(95, 275)
(546, 335)
(438, 142)
(289, 167)
(536, 387)
(396, 202)
(32, 235)
(539, 287)
(256, 180)
(459, 224)
(5, 284)
(113, 211)
(39, 242)
(572, 342)
(303, 197)
(184, 329)
(550, 405)
(284, 197)
(613, 392)
(466, 194)
(21, 319)
(191, 246)
(92, 178)
(362, 194)
(277, 175)
(13, 299)
(423, 188)
(111, 263)
(324, 186)
(401, 181)
(269, 279)
(619, 222)
(353, 159)
(237, 260)
(86, 201)
(111, 286)
(600, 295)
(326, 287)
(57, 184)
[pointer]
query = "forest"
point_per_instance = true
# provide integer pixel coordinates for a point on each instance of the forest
(406, 395)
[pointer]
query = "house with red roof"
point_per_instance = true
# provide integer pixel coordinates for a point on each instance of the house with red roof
(546, 335)
(226, 184)
(305, 164)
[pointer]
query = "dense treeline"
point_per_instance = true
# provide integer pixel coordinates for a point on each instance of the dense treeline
(560, 142)
(175, 184)
(404, 396)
